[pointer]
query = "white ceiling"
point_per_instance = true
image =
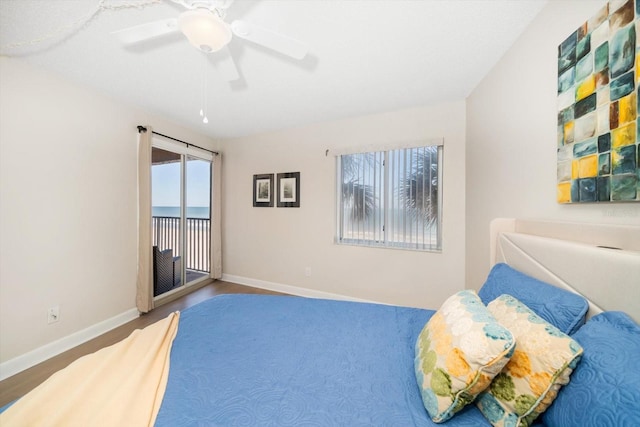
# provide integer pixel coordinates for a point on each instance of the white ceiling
(365, 56)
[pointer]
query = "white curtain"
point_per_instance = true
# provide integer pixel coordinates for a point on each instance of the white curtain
(216, 223)
(144, 295)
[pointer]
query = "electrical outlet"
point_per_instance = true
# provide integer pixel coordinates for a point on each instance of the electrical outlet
(53, 314)
(307, 271)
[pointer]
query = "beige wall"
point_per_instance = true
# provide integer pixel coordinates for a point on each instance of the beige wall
(511, 138)
(67, 206)
(276, 245)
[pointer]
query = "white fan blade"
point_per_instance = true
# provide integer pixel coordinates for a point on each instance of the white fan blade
(226, 65)
(146, 31)
(267, 38)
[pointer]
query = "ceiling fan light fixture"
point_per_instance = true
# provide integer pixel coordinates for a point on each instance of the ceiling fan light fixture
(204, 29)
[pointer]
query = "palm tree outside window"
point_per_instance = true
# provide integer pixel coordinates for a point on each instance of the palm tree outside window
(391, 198)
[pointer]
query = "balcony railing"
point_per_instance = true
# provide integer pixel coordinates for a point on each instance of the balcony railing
(166, 234)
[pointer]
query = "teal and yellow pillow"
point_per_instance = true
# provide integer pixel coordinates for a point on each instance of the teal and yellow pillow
(459, 351)
(543, 359)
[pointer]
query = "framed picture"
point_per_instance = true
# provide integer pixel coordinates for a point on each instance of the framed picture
(263, 190)
(289, 190)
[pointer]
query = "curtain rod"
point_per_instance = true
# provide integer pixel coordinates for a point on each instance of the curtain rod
(142, 129)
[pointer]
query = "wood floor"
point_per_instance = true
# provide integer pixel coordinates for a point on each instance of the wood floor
(18, 385)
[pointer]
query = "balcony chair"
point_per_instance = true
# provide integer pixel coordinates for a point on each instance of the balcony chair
(166, 271)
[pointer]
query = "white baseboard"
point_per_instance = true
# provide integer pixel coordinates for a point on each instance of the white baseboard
(288, 289)
(40, 354)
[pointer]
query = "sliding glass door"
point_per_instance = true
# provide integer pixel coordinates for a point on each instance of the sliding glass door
(166, 213)
(198, 216)
(181, 216)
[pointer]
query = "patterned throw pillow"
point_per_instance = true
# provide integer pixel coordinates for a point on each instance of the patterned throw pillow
(460, 349)
(543, 359)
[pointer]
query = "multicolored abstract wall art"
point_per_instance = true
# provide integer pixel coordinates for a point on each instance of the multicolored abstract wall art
(598, 105)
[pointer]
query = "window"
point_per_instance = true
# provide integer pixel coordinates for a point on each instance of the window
(391, 198)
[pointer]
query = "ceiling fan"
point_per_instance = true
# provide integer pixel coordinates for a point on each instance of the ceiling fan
(204, 26)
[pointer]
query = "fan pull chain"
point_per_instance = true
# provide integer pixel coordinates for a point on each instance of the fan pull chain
(203, 91)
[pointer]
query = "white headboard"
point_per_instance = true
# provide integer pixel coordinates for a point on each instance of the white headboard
(600, 262)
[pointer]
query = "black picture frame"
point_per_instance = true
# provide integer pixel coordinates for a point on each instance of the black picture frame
(289, 190)
(263, 190)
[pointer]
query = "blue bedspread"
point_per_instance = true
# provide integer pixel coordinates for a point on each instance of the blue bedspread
(256, 360)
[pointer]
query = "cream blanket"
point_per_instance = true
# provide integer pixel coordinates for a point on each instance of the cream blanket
(120, 385)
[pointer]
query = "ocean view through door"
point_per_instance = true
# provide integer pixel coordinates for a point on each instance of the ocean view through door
(181, 218)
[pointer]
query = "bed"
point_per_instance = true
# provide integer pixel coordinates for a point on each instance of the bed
(258, 360)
